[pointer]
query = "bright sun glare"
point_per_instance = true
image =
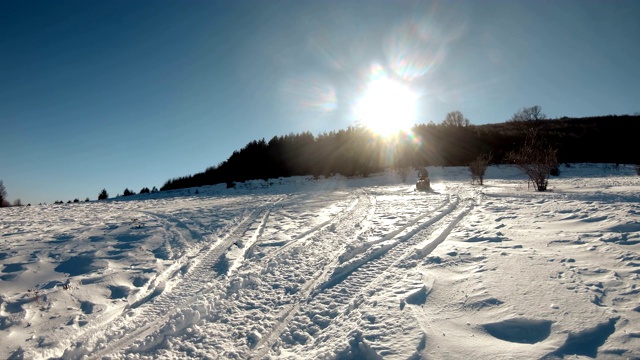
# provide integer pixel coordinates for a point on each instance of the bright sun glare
(387, 107)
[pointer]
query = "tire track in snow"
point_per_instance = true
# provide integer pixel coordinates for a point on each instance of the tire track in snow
(349, 224)
(346, 290)
(427, 248)
(223, 311)
(307, 234)
(296, 313)
(149, 314)
(248, 246)
(387, 242)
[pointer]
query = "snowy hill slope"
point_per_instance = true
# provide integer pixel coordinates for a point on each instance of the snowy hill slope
(333, 268)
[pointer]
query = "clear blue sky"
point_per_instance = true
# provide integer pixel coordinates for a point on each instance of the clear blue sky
(115, 94)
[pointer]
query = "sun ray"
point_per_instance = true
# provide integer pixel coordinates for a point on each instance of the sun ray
(386, 106)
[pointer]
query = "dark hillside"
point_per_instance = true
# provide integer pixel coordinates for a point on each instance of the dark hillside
(356, 152)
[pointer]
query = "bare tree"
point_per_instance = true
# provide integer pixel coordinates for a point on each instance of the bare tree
(528, 114)
(17, 202)
(455, 119)
(3, 196)
(536, 158)
(478, 167)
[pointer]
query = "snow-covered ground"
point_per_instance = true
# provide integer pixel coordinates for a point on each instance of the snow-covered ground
(332, 269)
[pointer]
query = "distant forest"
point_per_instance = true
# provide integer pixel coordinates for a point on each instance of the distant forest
(357, 152)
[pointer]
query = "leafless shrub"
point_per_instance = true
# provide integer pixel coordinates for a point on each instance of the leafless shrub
(478, 167)
(536, 158)
(529, 114)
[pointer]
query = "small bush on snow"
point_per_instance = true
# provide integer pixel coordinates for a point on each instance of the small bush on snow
(536, 158)
(478, 167)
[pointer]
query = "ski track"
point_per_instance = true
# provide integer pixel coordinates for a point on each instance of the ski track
(164, 296)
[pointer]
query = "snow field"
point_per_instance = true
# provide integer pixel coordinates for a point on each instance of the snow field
(331, 268)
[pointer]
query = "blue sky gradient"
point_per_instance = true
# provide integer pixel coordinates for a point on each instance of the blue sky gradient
(115, 94)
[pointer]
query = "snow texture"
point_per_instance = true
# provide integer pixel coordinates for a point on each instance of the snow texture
(332, 268)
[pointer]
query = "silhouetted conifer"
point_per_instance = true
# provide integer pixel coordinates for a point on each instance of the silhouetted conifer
(3, 196)
(103, 195)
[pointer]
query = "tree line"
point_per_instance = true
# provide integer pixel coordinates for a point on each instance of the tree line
(454, 142)
(103, 195)
(527, 137)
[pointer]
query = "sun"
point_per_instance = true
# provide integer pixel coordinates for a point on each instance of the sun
(386, 107)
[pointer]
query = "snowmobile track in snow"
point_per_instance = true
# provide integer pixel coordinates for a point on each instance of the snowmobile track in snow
(309, 233)
(358, 214)
(346, 285)
(165, 296)
(342, 294)
(403, 234)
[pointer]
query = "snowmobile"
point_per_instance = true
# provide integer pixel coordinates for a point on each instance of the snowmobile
(423, 183)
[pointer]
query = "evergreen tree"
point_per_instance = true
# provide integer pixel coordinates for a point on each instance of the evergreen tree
(103, 195)
(3, 196)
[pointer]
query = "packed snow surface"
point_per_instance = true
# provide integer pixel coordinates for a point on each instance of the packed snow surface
(332, 269)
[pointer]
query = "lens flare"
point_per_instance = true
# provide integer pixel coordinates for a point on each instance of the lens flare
(311, 94)
(417, 47)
